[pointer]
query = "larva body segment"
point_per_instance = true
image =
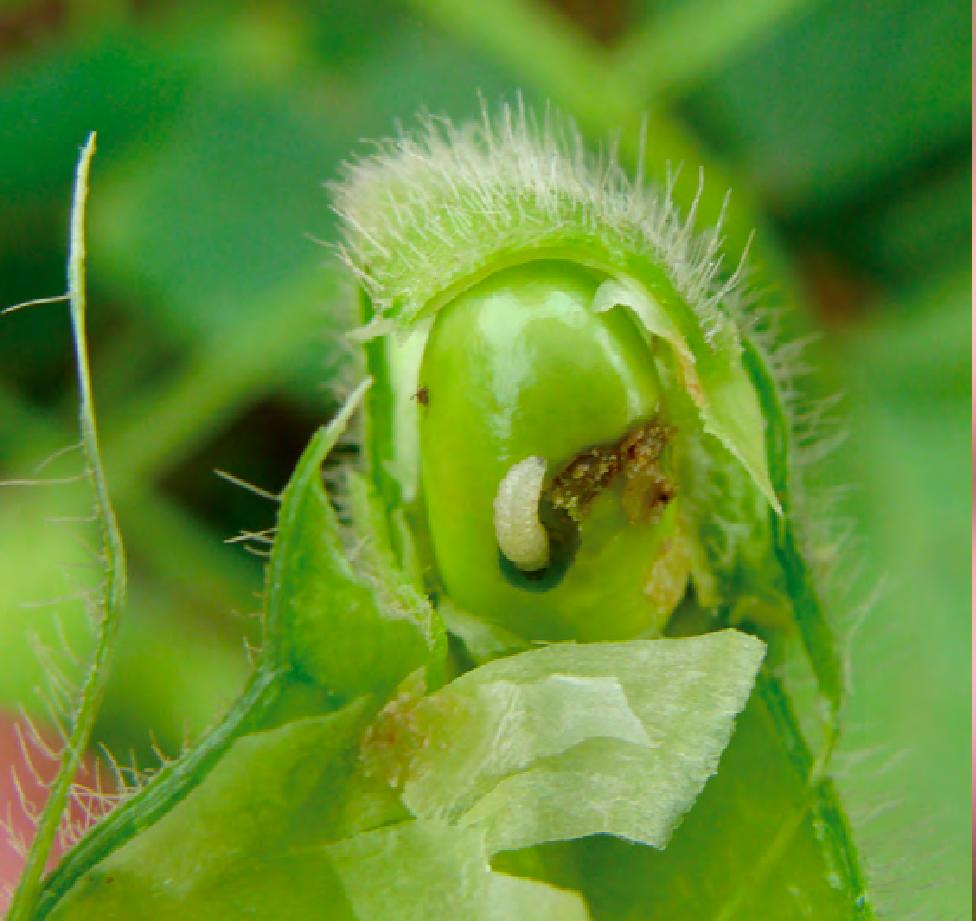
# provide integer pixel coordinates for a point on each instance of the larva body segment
(520, 534)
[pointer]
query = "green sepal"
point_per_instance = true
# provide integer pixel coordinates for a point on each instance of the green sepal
(482, 641)
(379, 414)
(712, 374)
(811, 620)
(351, 629)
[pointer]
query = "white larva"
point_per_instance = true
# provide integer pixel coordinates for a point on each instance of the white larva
(518, 530)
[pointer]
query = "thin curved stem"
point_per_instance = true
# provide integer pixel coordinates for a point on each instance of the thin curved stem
(113, 586)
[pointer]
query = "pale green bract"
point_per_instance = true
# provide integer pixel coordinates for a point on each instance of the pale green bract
(574, 740)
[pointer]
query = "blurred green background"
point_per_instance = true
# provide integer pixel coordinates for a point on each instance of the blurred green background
(843, 129)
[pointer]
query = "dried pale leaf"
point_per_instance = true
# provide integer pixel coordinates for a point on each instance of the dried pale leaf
(567, 741)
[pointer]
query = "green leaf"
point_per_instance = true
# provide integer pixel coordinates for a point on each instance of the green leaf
(614, 738)
(842, 98)
(225, 850)
(766, 839)
(350, 629)
(911, 448)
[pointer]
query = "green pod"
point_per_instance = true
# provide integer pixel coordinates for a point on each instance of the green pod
(562, 402)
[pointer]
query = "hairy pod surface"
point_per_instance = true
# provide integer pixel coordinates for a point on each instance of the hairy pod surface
(525, 301)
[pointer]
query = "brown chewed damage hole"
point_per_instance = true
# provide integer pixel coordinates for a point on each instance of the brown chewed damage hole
(637, 457)
(648, 489)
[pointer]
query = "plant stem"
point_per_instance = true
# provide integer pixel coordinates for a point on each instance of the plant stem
(114, 573)
(169, 786)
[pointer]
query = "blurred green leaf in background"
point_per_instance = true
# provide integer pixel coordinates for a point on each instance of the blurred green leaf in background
(842, 128)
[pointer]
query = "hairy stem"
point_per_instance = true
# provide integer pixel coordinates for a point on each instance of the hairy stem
(114, 574)
(168, 787)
